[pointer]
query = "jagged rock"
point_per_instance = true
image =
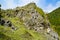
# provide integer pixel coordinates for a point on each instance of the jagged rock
(8, 15)
(2, 22)
(8, 23)
(13, 27)
(36, 22)
(53, 35)
(33, 20)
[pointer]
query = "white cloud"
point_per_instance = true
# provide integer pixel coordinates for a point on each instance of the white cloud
(51, 7)
(9, 4)
(58, 4)
(40, 3)
(24, 2)
(12, 4)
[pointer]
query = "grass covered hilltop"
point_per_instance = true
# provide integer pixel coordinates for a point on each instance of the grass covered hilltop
(27, 23)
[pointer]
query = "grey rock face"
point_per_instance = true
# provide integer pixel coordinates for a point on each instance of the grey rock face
(31, 18)
(52, 35)
(7, 23)
(34, 21)
(2, 22)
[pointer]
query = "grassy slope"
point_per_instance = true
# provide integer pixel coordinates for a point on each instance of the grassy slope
(21, 33)
(54, 18)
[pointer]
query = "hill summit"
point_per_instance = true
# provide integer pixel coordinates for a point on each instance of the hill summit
(26, 23)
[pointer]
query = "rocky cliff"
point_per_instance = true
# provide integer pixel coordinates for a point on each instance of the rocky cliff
(27, 23)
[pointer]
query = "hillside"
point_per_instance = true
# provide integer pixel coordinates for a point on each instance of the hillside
(54, 18)
(25, 23)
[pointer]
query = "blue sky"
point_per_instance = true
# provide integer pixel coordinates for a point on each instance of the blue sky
(46, 5)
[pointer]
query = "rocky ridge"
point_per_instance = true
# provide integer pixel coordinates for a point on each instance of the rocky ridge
(33, 20)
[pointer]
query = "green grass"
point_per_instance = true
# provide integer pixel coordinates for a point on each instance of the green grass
(40, 11)
(22, 33)
(54, 18)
